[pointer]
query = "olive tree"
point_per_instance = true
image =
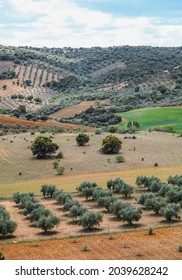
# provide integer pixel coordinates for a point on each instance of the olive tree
(90, 219)
(47, 223)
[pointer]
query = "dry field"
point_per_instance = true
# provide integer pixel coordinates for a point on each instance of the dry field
(11, 89)
(162, 245)
(76, 109)
(87, 161)
(66, 228)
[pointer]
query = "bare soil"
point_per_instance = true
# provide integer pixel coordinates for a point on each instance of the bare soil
(76, 109)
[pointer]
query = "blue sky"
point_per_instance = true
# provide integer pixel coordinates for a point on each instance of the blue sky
(87, 23)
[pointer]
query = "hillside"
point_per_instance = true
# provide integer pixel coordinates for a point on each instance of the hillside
(46, 80)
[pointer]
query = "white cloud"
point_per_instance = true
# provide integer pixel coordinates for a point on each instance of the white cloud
(65, 23)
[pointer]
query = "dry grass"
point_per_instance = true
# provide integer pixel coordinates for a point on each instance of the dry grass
(86, 163)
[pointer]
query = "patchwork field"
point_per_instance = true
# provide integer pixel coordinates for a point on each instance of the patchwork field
(153, 117)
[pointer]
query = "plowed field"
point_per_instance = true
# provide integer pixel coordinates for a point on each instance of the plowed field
(13, 121)
(162, 245)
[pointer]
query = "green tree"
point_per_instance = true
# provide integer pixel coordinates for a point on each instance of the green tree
(106, 201)
(43, 146)
(130, 214)
(82, 139)
(170, 211)
(7, 226)
(48, 190)
(76, 211)
(90, 219)
(47, 223)
(117, 207)
(111, 144)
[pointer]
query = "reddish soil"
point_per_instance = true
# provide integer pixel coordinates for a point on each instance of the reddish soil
(129, 242)
(11, 89)
(12, 121)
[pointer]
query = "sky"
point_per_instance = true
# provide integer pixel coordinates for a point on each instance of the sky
(89, 23)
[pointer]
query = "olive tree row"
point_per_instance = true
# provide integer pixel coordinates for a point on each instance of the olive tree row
(35, 211)
(7, 226)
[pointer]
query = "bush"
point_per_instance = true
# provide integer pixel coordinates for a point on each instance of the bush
(112, 129)
(98, 131)
(55, 164)
(150, 231)
(120, 159)
(59, 155)
(82, 139)
(111, 145)
(60, 170)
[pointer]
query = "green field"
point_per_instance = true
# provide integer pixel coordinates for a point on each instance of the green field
(155, 117)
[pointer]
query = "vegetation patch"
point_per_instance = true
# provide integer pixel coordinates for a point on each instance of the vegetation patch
(167, 119)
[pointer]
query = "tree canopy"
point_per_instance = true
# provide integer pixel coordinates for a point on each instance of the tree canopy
(43, 146)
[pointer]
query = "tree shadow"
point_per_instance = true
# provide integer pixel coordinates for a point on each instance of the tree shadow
(48, 233)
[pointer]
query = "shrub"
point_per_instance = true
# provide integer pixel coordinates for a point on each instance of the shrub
(111, 145)
(55, 164)
(150, 231)
(120, 159)
(82, 139)
(98, 131)
(112, 129)
(59, 155)
(60, 170)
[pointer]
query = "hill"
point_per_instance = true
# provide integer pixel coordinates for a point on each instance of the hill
(46, 80)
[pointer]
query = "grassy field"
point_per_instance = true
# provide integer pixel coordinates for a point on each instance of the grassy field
(154, 117)
(70, 182)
